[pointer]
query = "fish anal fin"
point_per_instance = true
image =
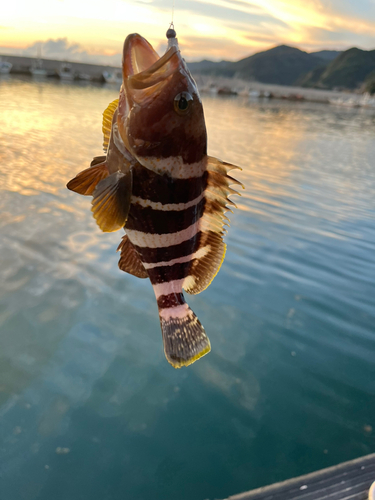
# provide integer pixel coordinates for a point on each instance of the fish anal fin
(184, 338)
(130, 261)
(206, 262)
(111, 201)
(86, 181)
(107, 122)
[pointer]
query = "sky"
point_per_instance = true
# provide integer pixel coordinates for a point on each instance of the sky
(94, 32)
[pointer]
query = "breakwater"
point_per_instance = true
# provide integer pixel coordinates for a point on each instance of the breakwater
(22, 65)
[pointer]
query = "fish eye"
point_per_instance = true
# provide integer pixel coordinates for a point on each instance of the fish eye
(182, 103)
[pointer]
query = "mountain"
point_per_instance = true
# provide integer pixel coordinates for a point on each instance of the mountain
(312, 78)
(285, 65)
(281, 65)
(370, 83)
(349, 70)
(327, 55)
(205, 65)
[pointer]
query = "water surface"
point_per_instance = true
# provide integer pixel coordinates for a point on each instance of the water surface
(89, 407)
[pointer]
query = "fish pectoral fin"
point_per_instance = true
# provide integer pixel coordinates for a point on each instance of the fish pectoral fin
(107, 122)
(184, 337)
(98, 159)
(86, 181)
(111, 201)
(130, 261)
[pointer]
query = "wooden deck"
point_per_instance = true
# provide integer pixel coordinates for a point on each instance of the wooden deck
(346, 481)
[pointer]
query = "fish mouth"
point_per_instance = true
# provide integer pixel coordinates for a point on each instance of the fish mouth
(143, 70)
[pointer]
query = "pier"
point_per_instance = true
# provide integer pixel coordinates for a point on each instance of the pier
(347, 481)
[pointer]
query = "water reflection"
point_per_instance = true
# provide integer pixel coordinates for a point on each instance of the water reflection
(83, 380)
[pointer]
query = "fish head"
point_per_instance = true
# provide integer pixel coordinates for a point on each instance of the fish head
(160, 114)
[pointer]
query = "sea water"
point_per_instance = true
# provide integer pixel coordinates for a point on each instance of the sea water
(89, 406)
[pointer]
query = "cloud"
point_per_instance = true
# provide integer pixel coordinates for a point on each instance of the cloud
(317, 38)
(240, 13)
(217, 49)
(92, 32)
(62, 50)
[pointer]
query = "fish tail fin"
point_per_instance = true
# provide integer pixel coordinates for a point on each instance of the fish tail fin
(184, 337)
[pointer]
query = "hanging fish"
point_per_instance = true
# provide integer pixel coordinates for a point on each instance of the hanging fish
(158, 183)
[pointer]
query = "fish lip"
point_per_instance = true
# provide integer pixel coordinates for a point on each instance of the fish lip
(135, 46)
(142, 67)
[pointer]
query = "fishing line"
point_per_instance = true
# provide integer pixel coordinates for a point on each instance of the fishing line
(172, 26)
(171, 34)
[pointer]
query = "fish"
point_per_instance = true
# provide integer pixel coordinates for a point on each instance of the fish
(157, 182)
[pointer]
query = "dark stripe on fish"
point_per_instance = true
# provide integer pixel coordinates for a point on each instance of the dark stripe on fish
(155, 255)
(170, 300)
(149, 220)
(164, 274)
(164, 189)
(174, 144)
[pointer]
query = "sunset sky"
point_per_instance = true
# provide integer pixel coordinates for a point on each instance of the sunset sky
(92, 31)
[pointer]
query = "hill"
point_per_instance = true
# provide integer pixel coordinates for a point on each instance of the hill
(349, 70)
(284, 65)
(202, 67)
(327, 55)
(281, 65)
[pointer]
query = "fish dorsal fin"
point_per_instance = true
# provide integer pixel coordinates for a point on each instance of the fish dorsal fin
(208, 258)
(86, 181)
(107, 122)
(111, 201)
(130, 261)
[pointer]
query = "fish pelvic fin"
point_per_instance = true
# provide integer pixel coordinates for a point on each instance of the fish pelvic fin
(86, 181)
(184, 338)
(107, 122)
(130, 261)
(111, 201)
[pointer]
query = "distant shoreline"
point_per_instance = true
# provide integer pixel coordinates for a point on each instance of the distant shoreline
(21, 66)
(275, 91)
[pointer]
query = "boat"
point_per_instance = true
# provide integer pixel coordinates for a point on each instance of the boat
(65, 72)
(225, 90)
(255, 94)
(84, 76)
(5, 67)
(367, 101)
(350, 102)
(114, 77)
(210, 88)
(37, 69)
